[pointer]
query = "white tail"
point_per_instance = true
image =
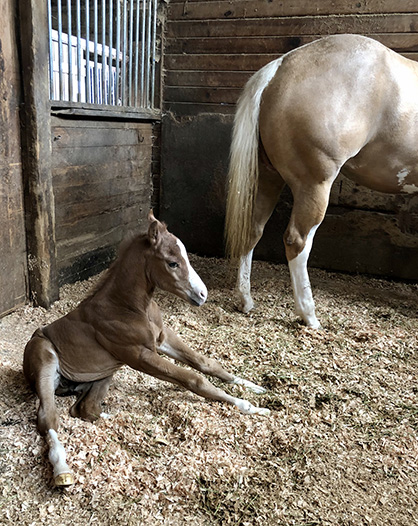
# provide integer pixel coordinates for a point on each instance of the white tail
(243, 164)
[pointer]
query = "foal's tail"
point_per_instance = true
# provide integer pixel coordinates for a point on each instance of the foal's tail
(243, 164)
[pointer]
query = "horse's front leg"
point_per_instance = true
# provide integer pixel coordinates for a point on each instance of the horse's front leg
(175, 348)
(309, 207)
(151, 363)
(40, 366)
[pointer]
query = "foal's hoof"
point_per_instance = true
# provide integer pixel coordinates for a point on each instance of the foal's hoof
(64, 479)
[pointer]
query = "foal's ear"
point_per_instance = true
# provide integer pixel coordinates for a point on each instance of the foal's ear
(154, 232)
(151, 216)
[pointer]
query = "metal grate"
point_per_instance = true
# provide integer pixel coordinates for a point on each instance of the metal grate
(103, 51)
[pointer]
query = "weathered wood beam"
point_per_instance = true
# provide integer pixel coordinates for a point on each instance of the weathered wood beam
(36, 139)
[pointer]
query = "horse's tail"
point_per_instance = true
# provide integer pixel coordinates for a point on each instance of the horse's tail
(243, 164)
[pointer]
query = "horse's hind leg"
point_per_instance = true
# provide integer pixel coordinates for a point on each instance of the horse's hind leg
(309, 207)
(40, 366)
(270, 185)
(91, 394)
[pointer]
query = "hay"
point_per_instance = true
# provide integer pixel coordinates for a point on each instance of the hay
(339, 448)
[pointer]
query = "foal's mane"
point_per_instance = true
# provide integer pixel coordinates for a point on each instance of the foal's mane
(109, 273)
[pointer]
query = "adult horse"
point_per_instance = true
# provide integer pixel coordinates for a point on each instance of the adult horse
(120, 323)
(344, 103)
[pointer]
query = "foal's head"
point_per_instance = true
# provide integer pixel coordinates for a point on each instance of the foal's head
(170, 268)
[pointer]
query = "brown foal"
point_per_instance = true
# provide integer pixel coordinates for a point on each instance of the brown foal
(118, 324)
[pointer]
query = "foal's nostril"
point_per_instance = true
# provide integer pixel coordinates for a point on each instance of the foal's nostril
(202, 294)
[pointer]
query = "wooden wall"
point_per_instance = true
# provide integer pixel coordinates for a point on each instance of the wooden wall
(211, 49)
(101, 177)
(73, 181)
(12, 231)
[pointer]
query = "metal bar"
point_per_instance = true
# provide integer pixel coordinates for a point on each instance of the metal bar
(78, 30)
(138, 7)
(96, 68)
(125, 22)
(110, 61)
(148, 72)
(131, 34)
(51, 52)
(117, 51)
(144, 15)
(70, 52)
(60, 53)
(104, 98)
(88, 87)
(153, 52)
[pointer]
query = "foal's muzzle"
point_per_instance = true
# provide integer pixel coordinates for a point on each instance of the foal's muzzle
(198, 298)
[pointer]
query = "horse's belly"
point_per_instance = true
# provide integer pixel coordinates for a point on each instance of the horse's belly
(382, 172)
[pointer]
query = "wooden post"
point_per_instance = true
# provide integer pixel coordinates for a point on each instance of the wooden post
(36, 140)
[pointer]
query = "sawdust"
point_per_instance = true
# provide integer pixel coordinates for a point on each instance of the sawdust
(340, 447)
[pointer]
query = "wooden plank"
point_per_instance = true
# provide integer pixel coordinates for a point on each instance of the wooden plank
(39, 200)
(401, 43)
(97, 156)
(221, 79)
(203, 63)
(64, 137)
(69, 177)
(102, 185)
(246, 63)
(191, 109)
(13, 271)
(199, 95)
(299, 26)
(93, 232)
(198, 10)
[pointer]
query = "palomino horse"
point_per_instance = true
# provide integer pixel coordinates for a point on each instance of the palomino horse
(120, 323)
(343, 103)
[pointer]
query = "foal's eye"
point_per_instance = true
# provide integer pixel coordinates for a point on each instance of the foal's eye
(173, 264)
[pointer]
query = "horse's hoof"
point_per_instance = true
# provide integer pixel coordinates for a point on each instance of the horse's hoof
(246, 305)
(64, 479)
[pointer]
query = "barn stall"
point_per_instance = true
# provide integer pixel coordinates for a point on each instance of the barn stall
(341, 444)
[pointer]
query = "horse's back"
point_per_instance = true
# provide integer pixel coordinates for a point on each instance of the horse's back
(331, 98)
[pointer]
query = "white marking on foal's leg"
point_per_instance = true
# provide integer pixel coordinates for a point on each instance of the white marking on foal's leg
(244, 283)
(57, 457)
(249, 385)
(248, 408)
(305, 306)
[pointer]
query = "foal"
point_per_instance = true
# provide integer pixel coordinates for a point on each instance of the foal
(120, 323)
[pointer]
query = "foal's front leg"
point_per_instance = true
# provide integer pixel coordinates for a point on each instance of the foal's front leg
(150, 362)
(174, 347)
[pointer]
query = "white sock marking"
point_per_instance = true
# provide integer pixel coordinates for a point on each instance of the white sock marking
(244, 282)
(57, 455)
(249, 385)
(302, 292)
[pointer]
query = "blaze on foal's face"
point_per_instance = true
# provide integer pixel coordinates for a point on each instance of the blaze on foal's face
(171, 269)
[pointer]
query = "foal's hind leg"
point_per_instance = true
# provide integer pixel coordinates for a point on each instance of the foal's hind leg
(40, 365)
(91, 394)
(270, 185)
(175, 348)
(309, 207)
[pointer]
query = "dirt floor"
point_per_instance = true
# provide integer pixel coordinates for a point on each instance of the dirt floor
(340, 447)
